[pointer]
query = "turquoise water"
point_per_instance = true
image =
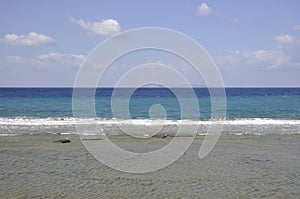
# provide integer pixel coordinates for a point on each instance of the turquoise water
(280, 103)
(249, 110)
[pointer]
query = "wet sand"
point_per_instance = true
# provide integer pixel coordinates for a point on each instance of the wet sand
(240, 166)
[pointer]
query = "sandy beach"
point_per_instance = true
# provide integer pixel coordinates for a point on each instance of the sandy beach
(247, 166)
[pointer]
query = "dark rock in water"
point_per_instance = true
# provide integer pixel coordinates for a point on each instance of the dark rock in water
(62, 141)
(165, 136)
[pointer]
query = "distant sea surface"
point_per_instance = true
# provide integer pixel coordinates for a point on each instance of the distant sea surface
(249, 110)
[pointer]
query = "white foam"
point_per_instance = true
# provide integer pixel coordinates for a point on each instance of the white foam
(140, 122)
(7, 134)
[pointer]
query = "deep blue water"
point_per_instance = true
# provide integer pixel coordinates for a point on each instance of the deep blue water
(278, 103)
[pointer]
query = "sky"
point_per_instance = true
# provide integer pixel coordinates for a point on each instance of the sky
(253, 43)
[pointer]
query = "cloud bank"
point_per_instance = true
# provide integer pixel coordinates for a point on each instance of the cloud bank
(43, 62)
(106, 27)
(50, 70)
(31, 39)
(287, 55)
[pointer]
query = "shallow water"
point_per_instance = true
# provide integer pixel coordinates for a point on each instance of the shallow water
(240, 166)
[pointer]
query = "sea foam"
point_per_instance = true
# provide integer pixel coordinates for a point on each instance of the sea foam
(114, 126)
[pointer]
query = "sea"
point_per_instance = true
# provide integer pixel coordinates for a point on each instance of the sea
(259, 111)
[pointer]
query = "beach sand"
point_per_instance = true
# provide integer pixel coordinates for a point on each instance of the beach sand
(240, 166)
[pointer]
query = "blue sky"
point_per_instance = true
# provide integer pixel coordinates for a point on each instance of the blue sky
(254, 43)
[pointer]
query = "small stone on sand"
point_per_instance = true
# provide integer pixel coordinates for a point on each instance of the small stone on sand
(62, 141)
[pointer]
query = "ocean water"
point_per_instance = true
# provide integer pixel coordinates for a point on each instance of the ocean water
(249, 110)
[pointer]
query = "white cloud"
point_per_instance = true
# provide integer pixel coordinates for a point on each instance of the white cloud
(106, 27)
(286, 56)
(252, 60)
(285, 39)
(53, 69)
(296, 27)
(42, 62)
(62, 59)
(290, 46)
(31, 39)
(204, 10)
